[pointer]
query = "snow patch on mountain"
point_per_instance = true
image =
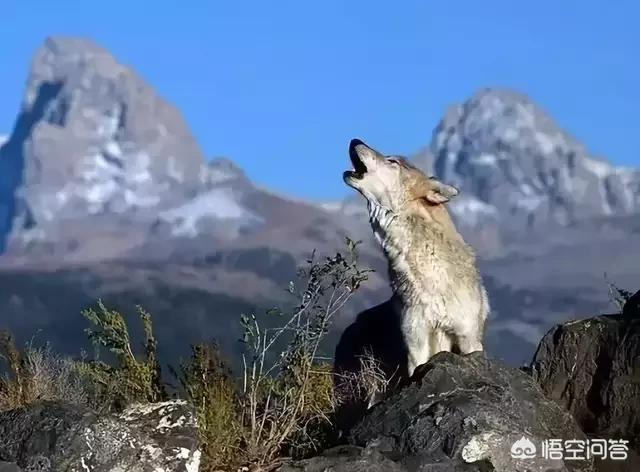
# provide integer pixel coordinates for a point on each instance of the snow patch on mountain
(219, 205)
(471, 211)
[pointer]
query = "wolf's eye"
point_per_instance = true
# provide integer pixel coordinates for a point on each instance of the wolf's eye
(393, 161)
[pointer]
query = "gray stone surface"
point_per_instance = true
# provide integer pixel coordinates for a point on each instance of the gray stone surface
(592, 368)
(58, 437)
(9, 467)
(467, 410)
(345, 459)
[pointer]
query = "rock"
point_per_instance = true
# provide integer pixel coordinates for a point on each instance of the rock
(54, 436)
(631, 308)
(9, 467)
(466, 413)
(91, 137)
(592, 368)
(345, 459)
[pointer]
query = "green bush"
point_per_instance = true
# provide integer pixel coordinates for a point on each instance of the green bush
(129, 378)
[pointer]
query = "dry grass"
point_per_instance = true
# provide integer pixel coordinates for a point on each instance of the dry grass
(37, 374)
(210, 387)
(366, 386)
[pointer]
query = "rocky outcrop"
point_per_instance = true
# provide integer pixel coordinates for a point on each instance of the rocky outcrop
(592, 368)
(461, 413)
(58, 437)
(9, 467)
(345, 459)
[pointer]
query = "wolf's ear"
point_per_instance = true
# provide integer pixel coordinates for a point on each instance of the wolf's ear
(437, 192)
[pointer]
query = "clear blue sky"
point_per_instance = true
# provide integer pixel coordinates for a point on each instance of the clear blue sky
(281, 86)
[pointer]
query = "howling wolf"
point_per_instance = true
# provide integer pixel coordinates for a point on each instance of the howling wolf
(439, 302)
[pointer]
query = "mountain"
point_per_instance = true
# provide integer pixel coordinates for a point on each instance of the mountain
(518, 166)
(97, 154)
(104, 193)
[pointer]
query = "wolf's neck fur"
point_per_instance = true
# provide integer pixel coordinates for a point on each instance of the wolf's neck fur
(381, 219)
(414, 240)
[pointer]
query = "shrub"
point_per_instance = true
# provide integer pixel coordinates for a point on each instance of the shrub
(129, 378)
(286, 403)
(37, 374)
(283, 402)
(209, 386)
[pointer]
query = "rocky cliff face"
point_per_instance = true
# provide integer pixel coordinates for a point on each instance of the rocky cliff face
(461, 413)
(592, 368)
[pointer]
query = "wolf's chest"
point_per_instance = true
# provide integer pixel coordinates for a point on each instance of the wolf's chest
(420, 317)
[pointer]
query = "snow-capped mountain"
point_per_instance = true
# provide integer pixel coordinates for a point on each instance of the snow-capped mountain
(514, 163)
(94, 144)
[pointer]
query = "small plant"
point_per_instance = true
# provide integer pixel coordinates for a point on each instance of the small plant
(364, 386)
(14, 385)
(209, 386)
(37, 374)
(129, 378)
(286, 402)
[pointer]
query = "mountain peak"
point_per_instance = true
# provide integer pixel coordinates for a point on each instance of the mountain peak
(507, 152)
(222, 169)
(91, 137)
(70, 45)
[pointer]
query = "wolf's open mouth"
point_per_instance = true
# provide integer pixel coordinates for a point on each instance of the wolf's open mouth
(359, 168)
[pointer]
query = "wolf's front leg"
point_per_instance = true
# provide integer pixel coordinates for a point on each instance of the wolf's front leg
(469, 344)
(419, 352)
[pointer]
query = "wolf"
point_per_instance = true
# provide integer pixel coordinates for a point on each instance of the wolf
(439, 302)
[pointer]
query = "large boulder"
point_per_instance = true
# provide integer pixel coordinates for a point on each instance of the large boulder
(469, 410)
(345, 459)
(592, 368)
(54, 436)
(460, 413)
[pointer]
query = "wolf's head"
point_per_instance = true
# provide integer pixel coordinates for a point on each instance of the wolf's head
(392, 182)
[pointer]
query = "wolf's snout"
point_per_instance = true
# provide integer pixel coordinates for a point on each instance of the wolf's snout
(355, 142)
(356, 148)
